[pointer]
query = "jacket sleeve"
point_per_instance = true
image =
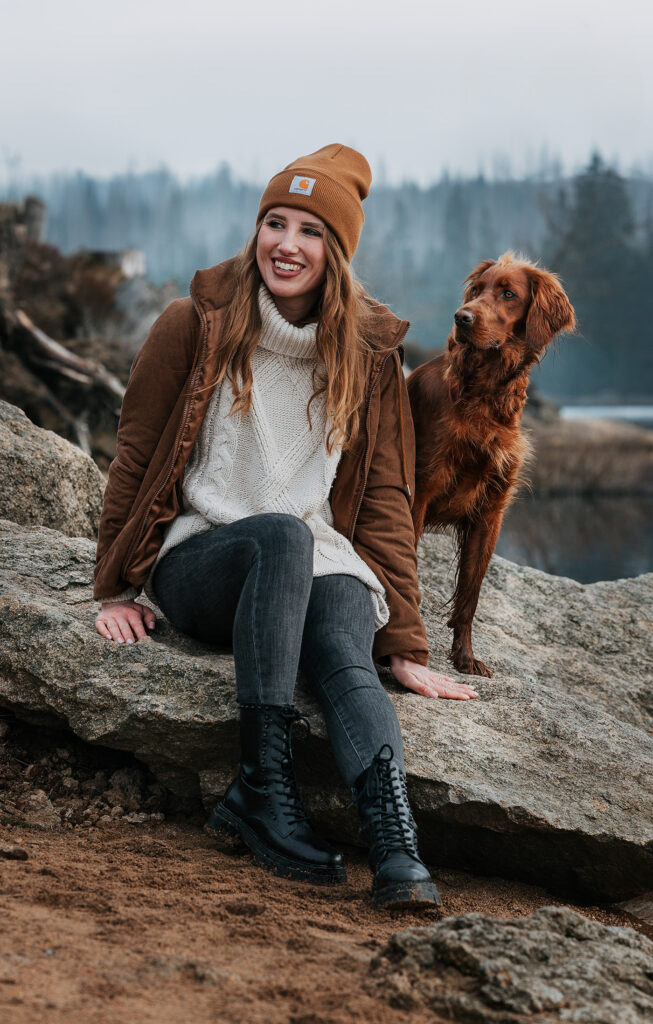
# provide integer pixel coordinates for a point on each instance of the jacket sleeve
(384, 535)
(158, 374)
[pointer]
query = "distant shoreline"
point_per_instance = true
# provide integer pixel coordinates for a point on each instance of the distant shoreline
(637, 414)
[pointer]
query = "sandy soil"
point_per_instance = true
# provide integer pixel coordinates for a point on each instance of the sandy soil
(155, 923)
(146, 918)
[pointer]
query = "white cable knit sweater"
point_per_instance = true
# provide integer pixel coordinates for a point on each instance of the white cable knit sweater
(270, 460)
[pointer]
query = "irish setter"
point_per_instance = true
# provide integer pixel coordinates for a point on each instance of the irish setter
(467, 407)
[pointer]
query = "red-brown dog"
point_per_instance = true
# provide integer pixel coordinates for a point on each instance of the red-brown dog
(467, 407)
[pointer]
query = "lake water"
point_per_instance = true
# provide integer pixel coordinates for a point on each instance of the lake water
(588, 539)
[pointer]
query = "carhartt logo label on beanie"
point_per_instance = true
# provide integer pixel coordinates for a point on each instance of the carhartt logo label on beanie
(344, 176)
(302, 185)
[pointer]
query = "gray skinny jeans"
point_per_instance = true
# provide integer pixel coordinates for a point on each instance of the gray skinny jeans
(249, 586)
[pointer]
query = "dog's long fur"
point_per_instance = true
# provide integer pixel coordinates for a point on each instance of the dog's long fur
(467, 407)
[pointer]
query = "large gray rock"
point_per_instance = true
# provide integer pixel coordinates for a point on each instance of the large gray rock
(552, 966)
(46, 480)
(547, 776)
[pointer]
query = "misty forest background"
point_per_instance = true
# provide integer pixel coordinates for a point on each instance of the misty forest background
(594, 228)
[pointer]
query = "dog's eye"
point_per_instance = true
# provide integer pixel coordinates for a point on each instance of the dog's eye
(473, 291)
(507, 294)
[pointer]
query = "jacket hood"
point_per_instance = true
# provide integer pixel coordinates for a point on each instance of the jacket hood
(212, 288)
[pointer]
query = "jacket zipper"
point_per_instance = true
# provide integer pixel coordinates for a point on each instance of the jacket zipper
(134, 544)
(399, 337)
(367, 445)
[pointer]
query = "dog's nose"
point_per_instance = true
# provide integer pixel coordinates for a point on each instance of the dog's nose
(464, 317)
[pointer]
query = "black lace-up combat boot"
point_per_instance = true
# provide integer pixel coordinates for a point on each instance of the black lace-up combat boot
(400, 877)
(263, 806)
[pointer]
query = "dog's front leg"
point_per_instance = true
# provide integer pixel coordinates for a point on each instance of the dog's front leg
(476, 542)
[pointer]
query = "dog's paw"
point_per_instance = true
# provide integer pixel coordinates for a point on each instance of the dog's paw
(472, 667)
(480, 669)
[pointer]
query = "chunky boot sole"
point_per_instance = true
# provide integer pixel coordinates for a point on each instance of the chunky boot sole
(223, 822)
(407, 896)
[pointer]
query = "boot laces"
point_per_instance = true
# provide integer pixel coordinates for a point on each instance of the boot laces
(289, 798)
(393, 821)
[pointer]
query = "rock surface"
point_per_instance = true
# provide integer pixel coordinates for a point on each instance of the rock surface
(38, 810)
(10, 851)
(553, 965)
(46, 480)
(547, 776)
(640, 911)
(50, 779)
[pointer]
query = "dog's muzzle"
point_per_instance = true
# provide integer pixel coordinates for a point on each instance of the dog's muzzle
(464, 317)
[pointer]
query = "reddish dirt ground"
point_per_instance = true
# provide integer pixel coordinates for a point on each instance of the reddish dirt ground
(127, 912)
(153, 922)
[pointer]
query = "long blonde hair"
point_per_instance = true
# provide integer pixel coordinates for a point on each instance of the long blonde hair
(344, 310)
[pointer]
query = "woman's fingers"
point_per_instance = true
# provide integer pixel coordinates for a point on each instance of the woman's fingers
(112, 626)
(126, 629)
(422, 680)
(102, 627)
(138, 616)
(447, 686)
(436, 685)
(124, 624)
(422, 684)
(440, 677)
(419, 685)
(137, 630)
(455, 691)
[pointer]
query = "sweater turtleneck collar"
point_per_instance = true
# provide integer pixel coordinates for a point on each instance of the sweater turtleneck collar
(278, 335)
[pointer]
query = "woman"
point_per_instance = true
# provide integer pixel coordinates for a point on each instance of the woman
(261, 495)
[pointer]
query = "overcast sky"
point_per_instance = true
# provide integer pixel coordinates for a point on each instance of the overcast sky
(417, 87)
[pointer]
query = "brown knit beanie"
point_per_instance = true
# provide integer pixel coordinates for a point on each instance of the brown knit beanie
(332, 183)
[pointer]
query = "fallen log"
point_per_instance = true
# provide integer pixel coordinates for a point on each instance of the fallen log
(58, 357)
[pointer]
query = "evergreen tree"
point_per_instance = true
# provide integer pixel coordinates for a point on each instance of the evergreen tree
(595, 252)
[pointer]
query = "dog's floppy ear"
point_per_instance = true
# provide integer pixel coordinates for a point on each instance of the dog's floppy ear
(472, 278)
(550, 310)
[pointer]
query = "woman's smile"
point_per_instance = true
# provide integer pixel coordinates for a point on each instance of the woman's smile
(291, 257)
(284, 267)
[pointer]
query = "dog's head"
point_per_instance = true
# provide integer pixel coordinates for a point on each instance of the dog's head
(512, 300)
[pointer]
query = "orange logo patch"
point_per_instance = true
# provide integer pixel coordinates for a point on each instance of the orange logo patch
(301, 185)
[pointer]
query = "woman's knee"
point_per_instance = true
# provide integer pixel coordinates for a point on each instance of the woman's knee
(328, 651)
(340, 613)
(284, 533)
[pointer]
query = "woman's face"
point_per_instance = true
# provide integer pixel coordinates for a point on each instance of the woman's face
(290, 254)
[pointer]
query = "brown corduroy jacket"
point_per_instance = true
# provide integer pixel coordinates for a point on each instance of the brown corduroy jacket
(160, 419)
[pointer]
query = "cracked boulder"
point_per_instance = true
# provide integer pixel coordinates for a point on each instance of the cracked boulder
(46, 480)
(553, 965)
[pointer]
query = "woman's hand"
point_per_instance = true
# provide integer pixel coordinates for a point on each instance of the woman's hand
(430, 684)
(122, 621)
